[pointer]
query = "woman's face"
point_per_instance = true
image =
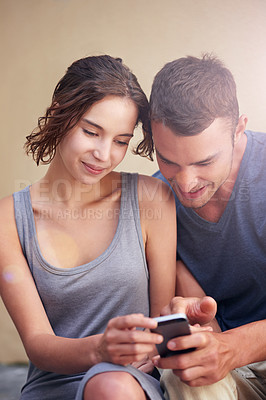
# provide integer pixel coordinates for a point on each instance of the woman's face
(99, 141)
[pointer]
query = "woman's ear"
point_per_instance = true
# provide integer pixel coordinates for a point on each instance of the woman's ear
(240, 128)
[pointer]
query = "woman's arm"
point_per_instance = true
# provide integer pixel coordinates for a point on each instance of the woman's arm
(158, 222)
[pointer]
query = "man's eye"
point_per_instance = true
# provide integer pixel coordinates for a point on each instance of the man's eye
(205, 164)
(166, 162)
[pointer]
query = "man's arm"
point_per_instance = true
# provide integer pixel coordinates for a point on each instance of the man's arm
(199, 308)
(216, 353)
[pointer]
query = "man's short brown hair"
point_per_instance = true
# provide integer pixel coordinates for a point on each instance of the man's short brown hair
(189, 93)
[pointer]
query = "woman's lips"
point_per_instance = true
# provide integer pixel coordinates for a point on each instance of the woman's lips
(93, 169)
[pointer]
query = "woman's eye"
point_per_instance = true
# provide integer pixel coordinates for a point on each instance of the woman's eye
(89, 133)
(120, 143)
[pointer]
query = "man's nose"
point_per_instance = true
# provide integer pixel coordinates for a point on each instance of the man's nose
(185, 179)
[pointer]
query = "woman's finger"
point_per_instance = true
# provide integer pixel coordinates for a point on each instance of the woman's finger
(132, 321)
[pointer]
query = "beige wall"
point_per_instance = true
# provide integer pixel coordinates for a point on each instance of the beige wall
(40, 38)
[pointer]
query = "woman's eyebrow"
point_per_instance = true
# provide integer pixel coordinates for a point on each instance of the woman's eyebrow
(87, 121)
(126, 134)
(92, 123)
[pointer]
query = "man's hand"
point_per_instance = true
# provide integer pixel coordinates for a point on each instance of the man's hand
(211, 360)
(209, 363)
(198, 310)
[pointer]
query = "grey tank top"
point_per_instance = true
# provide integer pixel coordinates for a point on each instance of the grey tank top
(80, 301)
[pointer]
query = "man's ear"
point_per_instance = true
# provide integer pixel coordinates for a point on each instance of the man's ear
(240, 128)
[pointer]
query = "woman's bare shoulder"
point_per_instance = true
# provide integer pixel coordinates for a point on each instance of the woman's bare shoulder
(153, 190)
(6, 205)
(7, 217)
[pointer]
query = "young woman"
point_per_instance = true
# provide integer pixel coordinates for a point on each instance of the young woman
(87, 254)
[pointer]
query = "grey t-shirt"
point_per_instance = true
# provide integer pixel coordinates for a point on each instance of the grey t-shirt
(80, 301)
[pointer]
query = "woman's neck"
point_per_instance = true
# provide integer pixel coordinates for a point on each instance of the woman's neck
(59, 186)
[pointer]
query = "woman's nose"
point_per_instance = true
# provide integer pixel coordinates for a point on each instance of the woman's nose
(103, 151)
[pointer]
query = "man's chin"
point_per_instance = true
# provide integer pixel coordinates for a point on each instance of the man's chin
(196, 204)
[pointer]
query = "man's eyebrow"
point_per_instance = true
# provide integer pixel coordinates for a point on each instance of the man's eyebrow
(87, 121)
(164, 158)
(206, 160)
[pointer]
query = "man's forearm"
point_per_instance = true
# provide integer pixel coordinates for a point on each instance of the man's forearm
(248, 342)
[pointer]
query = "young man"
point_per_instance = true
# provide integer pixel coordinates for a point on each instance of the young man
(217, 171)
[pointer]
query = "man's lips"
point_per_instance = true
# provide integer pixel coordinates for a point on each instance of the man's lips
(93, 169)
(193, 194)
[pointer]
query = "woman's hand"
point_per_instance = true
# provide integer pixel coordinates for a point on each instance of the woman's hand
(146, 365)
(123, 344)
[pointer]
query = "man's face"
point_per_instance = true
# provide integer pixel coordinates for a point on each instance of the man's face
(196, 166)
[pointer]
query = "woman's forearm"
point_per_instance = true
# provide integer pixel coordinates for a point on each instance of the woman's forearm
(63, 355)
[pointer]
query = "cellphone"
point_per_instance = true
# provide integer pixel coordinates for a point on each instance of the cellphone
(171, 326)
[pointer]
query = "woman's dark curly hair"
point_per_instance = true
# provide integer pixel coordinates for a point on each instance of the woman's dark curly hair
(86, 81)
